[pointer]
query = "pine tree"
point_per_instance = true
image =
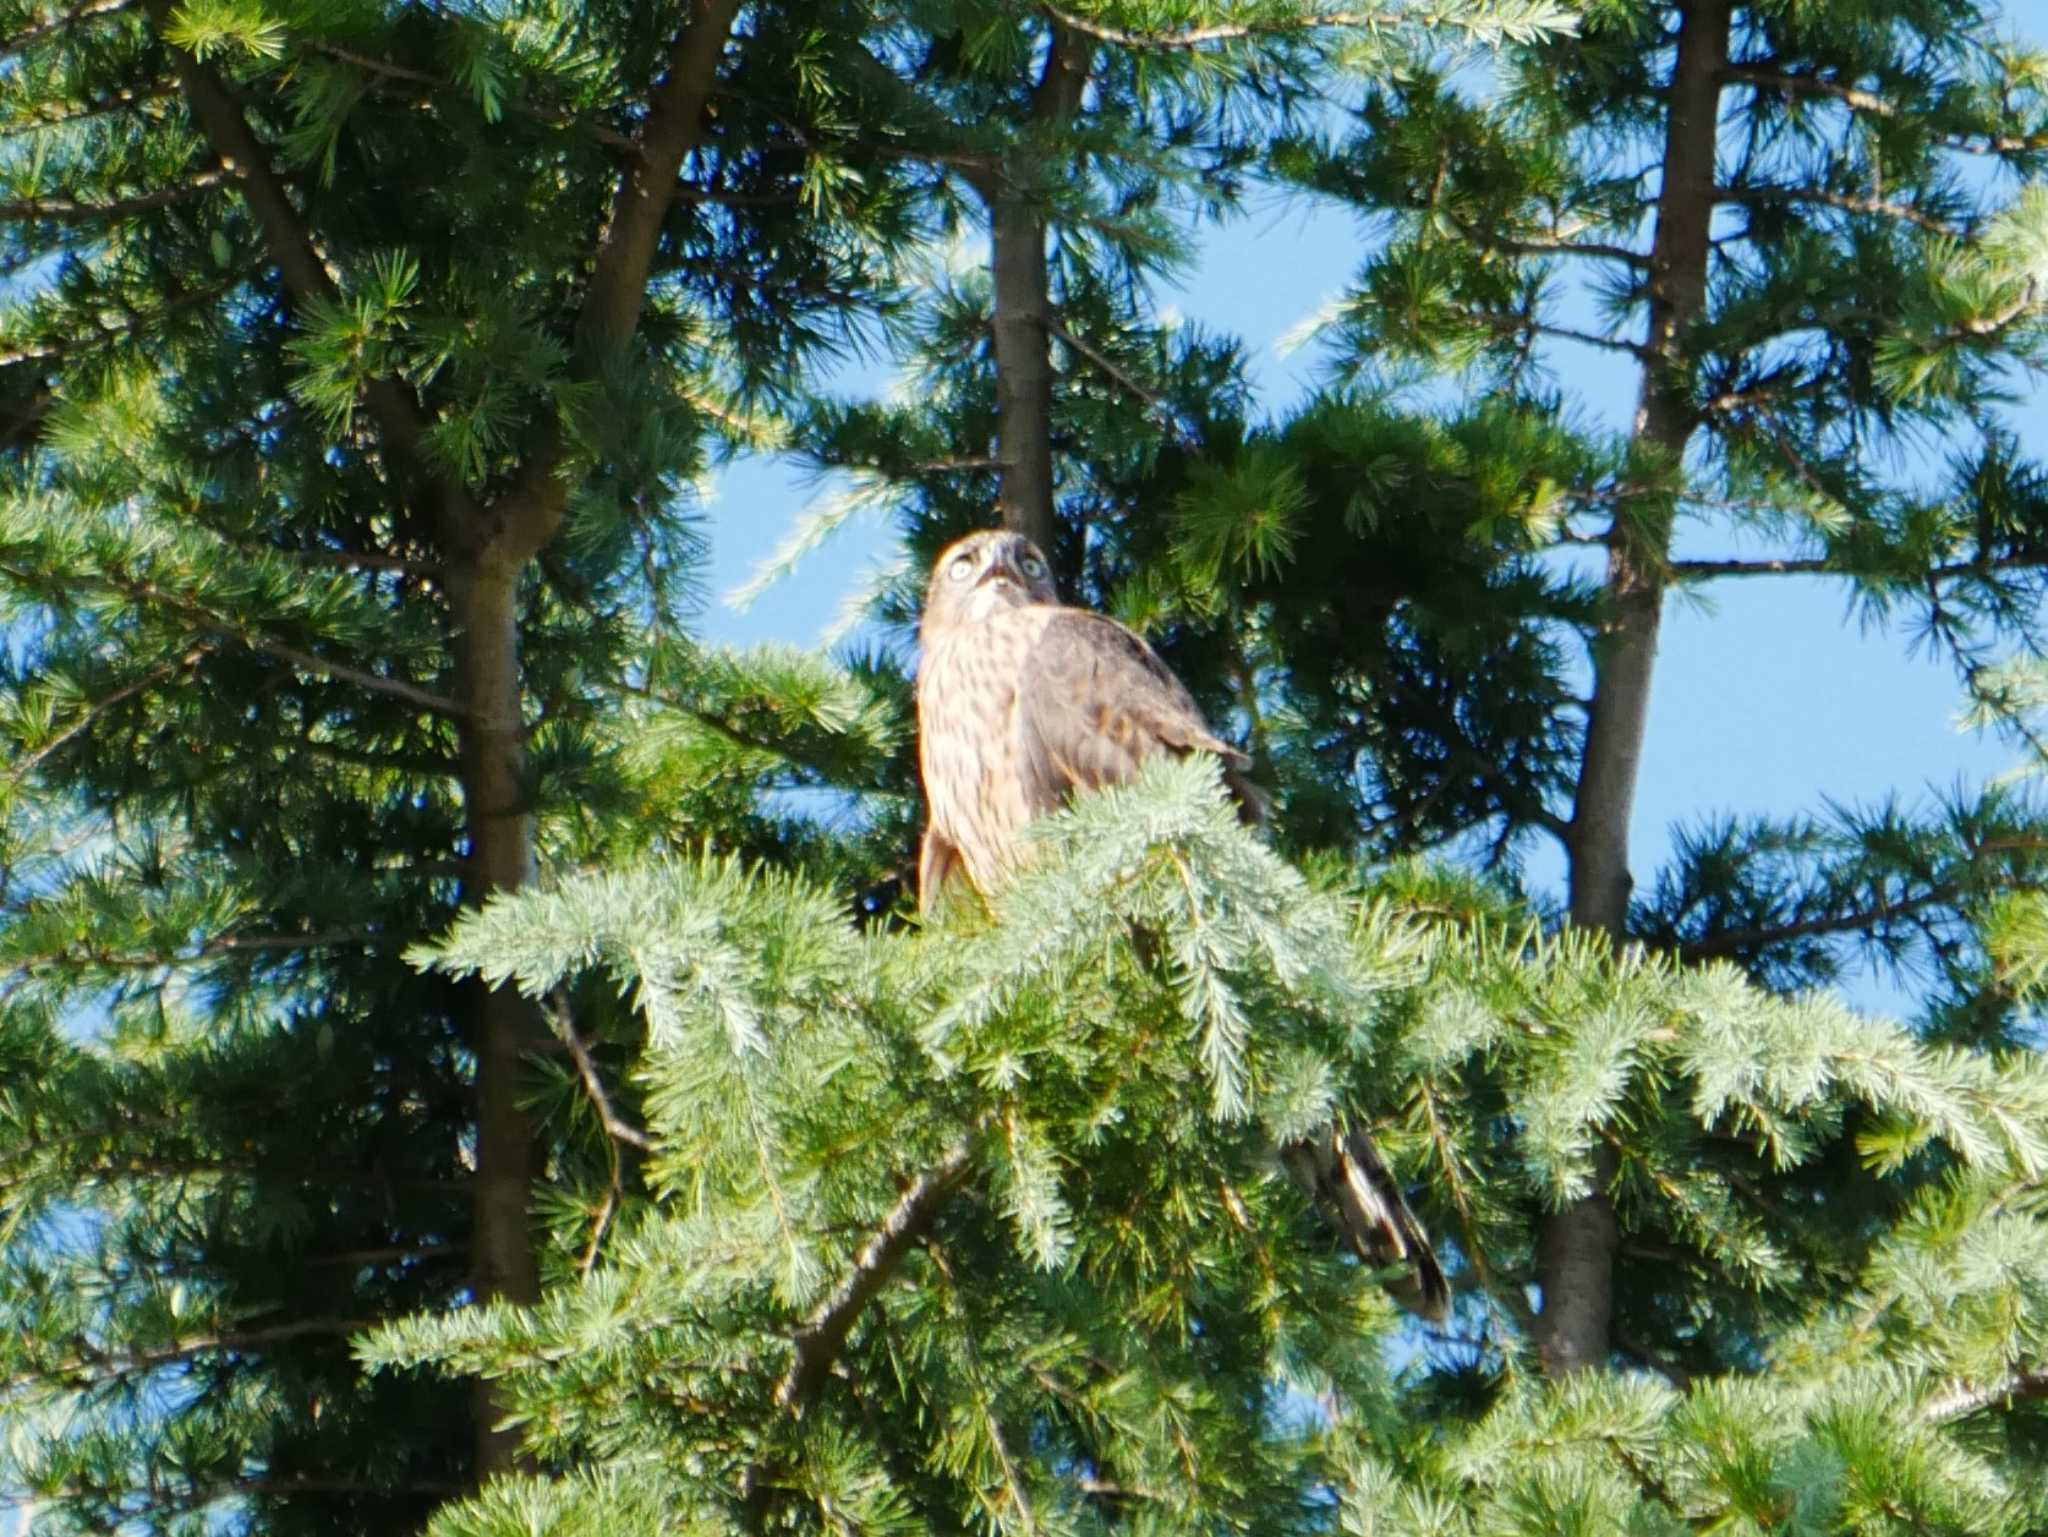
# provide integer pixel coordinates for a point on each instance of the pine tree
(1733, 1256)
(358, 365)
(1805, 228)
(863, 1226)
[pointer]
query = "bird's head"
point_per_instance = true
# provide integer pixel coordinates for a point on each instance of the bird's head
(986, 571)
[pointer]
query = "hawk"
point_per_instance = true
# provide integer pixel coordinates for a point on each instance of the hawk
(1022, 701)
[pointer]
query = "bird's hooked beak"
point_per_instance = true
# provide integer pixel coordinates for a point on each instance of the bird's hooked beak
(1002, 569)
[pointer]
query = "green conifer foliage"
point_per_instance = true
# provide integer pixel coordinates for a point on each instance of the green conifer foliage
(980, 1227)
(359, 365)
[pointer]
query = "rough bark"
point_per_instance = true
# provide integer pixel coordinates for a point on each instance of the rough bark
(1575, 1251)
(1023, 305)
(483, 601)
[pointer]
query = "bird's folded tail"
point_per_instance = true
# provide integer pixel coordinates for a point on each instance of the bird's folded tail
(1344, 1172)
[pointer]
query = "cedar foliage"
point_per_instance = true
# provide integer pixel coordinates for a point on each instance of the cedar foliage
(834, 1222)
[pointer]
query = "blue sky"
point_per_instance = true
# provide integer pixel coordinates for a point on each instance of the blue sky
(1770, 695)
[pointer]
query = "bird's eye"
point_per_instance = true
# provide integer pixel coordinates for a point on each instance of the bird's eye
(1033, 567)
(961, 569)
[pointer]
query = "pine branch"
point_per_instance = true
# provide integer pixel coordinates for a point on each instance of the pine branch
(83, 11)
(1811, 85)
(740, 737)
(138, 325)
(74, 957)
(309, 277)
(229, 628)
(1858, 100)
(82, 111)
(1221, 32)
(1121, 377)
(1732, 941)
(554, 117)
(1526, 245)
(60, 210)
(353, 560)
(90, 1365)
(538, 499)
(823, 1335)
(1961, 1399)
(27, 765)
(1847, 202)
(341, 672)
(1508, 324)
(1702, 570)
(1825, 565)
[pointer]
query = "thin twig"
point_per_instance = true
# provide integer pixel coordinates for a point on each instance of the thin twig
(25, 766)
(1959, 1400)
(1846, 201)
(616, 1126)
(1118, 375)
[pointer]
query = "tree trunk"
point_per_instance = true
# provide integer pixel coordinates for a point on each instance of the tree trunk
(1023, 304)
(1023, 331)
(1575, 1251)
(483, 598)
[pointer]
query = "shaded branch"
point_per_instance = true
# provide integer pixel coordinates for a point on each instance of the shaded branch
(341, 672)
(824, 1334)
(64, 210)
(1730, 941)
(555, 117)
(1118, 375)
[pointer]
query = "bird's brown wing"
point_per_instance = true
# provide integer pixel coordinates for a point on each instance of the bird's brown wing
(1095, 703)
